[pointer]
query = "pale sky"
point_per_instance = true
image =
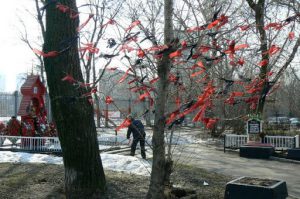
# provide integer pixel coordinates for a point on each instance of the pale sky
(16, 57)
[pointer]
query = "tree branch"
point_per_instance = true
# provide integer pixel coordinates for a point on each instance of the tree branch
(287, 63)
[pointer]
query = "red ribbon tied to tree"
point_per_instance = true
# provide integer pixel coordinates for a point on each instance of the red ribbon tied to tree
(84, 23)
(263, 63)
(48, 54)
(69, 79)
(109, 100)
(177, 53)
(124, 124)
(291, 36)
(132, 25)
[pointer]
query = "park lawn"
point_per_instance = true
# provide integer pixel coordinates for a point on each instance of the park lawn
(46, 181)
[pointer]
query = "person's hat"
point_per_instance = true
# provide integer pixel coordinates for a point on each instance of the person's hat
(129, 116)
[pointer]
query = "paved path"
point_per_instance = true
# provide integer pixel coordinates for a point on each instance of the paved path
(229, 163)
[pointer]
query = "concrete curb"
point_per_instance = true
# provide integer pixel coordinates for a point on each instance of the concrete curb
(284, 160)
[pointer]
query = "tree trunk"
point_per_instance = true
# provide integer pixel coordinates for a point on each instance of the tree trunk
(147, 116)
(259, 9)
(98, 111)
(73, 114)
(157, 182)
(259, 18)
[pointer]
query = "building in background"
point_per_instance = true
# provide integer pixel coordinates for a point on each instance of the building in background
(2, 83)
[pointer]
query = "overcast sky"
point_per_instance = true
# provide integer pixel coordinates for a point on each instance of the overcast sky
(16, 57)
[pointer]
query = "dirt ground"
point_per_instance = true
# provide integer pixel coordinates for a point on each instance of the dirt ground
(37, 181)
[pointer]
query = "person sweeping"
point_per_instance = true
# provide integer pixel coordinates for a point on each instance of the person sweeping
(138, 133)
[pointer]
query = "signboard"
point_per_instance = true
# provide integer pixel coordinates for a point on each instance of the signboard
(254, 126)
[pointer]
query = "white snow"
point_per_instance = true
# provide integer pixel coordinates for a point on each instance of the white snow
(113, 162)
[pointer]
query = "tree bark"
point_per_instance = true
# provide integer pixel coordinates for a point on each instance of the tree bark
(259, 10)
(72, 112)
(157, 182)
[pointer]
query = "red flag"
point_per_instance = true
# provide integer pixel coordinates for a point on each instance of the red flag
(231, 48)
(62, 8)
(124, 124)
(177, 53)
(241, 61)
(237, 94)
(108, 100)
(241, 46)
(90, 48)
(193, 29)
(276, 26)
(159, 56)
(200, 64)
(157, 48)
(93, 90)
(81, 84)
(229, 100)
(132, 25)
(291, 36)
(154, 80)
(184, 44)
(73, 14)
(112, 68)
(124, 76)
(140, 53)
(90, 99)
(173, 78)
(204, 49)
(245, 27)
(125, 47)
(136, 89)
(143, 96)
(211, 123)
(223, 20)
(48, 54)
(198, 117)
(263, 63)
(110, 22)
(199, 103)
(172, 117)
(213, 24)
(69, 79)
(84, 23)
(134, 80)
(197, 73)
(273, 50)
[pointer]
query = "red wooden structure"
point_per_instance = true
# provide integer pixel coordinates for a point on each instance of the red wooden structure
(32, 108)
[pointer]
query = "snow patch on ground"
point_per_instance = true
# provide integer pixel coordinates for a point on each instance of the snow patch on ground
(113, 162)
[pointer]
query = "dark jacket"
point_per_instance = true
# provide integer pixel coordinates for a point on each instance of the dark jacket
(137, 129)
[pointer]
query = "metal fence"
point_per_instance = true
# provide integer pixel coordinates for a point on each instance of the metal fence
(10, 103)
(52, 144)
(283, 142)
(42, 144)
(233, 141)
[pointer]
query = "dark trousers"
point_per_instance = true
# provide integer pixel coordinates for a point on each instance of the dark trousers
(142, 144)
